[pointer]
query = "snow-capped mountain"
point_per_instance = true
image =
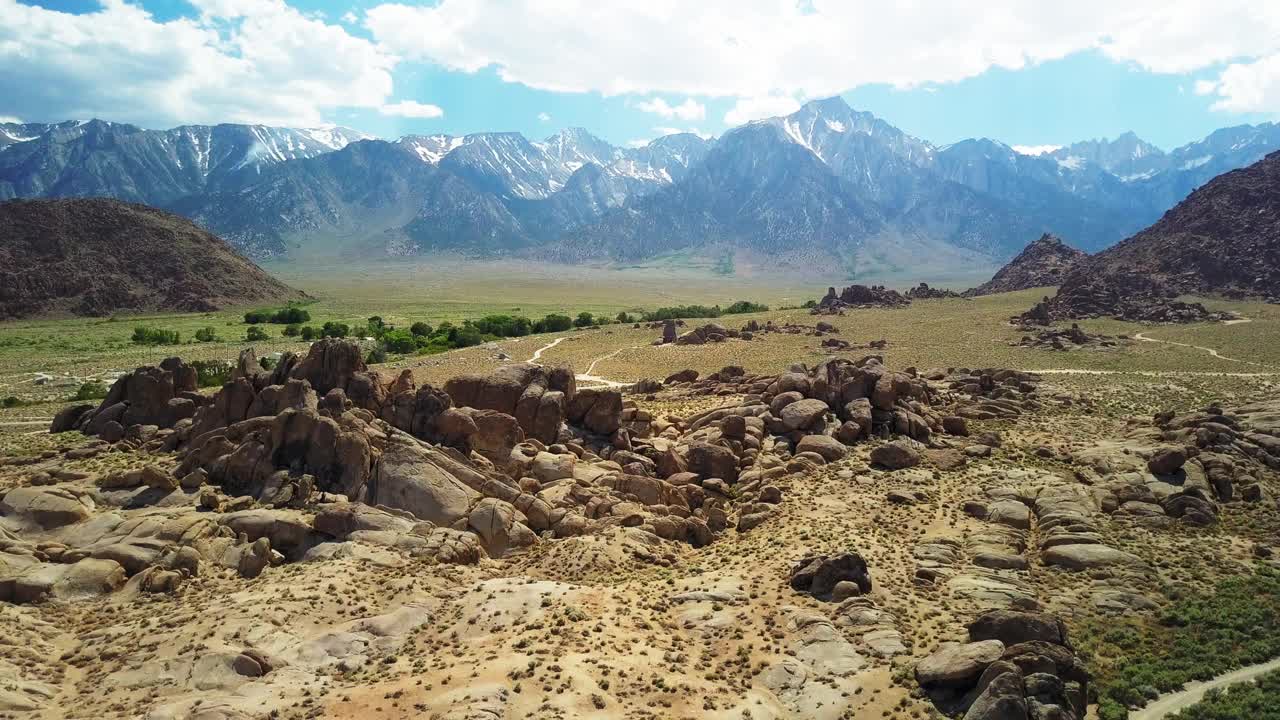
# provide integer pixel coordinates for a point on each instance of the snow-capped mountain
(152, 166)
(812, 187)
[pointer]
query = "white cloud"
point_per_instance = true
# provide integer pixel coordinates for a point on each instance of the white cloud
(748, 109)
(765, 48)
(688, 110)
(677, 131)
(638, 143)
(10, 119)
(350, 18)
(238, 61)
(1035, 149)
(1250, 87)
(1206, 87)
(544, 117)
(411, 109)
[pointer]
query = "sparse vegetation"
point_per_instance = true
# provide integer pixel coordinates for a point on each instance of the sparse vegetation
(206, 334)
(255, 334)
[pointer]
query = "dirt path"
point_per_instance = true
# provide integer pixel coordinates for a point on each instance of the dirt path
(538, 353)
(590, 379)
(1143, 337)
(1194, 692)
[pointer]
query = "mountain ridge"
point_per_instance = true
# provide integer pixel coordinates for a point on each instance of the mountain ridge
(573, 196)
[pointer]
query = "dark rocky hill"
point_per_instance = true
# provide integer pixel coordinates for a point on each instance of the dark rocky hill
(1041, 264)
(1224, 239)
(97, 256)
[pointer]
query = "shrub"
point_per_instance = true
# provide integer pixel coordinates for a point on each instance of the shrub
(309, 333)
(11, 401)
(623, 317)
(291, 330)
(210, 373)
(268, 363)
(335, 330)
(504, 325)
(420, 329)
(255, 334)
(680, 312)
(467, 336)
(91, 391)
(376, 355)
(206, 335)
(553, 323)
(154, 336)
(584, 319)
(398, 341)
(745, 306)
(291, 315)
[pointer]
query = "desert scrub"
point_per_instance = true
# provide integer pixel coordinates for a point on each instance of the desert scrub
(1257, 700)
(154, 336)
(1197, 638)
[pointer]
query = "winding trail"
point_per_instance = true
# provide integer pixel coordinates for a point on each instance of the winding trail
(1162, 373)
(1143, 337)
(587, 377)
(1194, 692)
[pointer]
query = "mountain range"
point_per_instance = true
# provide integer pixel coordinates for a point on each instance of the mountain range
(818, 186)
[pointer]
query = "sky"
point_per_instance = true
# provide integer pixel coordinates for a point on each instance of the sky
(1024, 72)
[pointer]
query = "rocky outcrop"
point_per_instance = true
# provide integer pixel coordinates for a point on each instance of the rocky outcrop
(924, 292)
(1017, 664)
(858, 297)
(1134, 298)
(1068, 339)
(1043, 263)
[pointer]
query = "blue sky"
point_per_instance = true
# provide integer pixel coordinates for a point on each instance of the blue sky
(1172, 72)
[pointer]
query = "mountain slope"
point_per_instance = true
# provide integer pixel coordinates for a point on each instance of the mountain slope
(1223, 239)
(97, 257)
(1041, 264)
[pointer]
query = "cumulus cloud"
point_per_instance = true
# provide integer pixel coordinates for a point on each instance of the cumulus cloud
(767, 48)
(256, 61)
(687, 110)
(544, 117)
(411, 109)
(748, 109)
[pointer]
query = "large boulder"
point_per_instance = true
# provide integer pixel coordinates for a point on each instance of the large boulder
(803, 414)
(1013, 626)
(958, 666)
(409, 479)
(896, 455)
(45, 508)
(818, 575)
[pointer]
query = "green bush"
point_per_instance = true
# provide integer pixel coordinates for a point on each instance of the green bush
(504, 325)
(553, 323)
(376, 355)
(420, 329)
(680, 312)
(584, 319)
(335, 330)
(398, 341)
(309, 333)
(291, 330)
(154, 336)
(467, 336)
(255, 334)
(624, 318)
(206, 334)
(211, 373)
(745, 306)
(268, 363)
(91, 391)
(291, 315)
